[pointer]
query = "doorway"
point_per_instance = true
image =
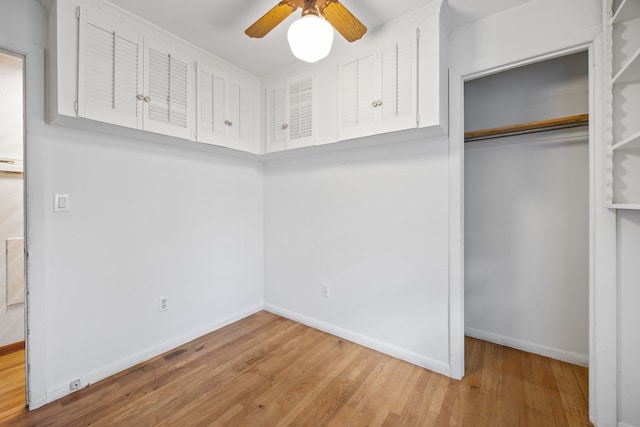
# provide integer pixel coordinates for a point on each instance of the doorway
(526, 208)
(12, 235)
(602, 228)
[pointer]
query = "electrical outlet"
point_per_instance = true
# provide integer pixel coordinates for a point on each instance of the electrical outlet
(75, 385)
(163, 304)
(324, 290)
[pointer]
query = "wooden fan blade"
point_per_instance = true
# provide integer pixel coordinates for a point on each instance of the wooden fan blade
(342, 20)
(270, 19)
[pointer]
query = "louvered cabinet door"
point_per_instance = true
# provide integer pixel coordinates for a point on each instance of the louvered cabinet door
(300, 109)
(397, 106)
(276, 118)
(237, 115)
(211, 88)
(110, 70)
(168, 107)
(357, 113)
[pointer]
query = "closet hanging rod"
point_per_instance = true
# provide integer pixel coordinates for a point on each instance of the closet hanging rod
(531, 127)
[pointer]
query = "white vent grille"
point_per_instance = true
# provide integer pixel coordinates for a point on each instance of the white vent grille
(126, 82)
(167, 89)
(301, 109)
(396, 80)
(212, 98)
(99, 72)
(110, 74)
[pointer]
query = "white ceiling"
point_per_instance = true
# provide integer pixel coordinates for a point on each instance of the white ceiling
(218, 25)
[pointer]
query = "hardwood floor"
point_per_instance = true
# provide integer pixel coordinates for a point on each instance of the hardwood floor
(11, 384)
(266, 370)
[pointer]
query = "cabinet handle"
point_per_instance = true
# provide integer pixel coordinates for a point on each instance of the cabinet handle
(228, 122)
(284, 126)
(147, 99)
(140, 97)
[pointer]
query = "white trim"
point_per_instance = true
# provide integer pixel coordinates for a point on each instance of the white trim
(603, 301)
(35, 307)
(366, 341)
(61, 390)
(602, 234)
(531, 347)
(456, 224)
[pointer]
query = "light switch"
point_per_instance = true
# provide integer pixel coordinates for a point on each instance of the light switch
(61, 203)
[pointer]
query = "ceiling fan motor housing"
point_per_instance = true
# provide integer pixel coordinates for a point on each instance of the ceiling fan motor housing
(310, 8)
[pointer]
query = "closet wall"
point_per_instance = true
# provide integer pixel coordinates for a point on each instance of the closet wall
(526, 212)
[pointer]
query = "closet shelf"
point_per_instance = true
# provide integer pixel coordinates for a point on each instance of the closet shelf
(631, 143)
(11, 165)
(628, 10)
(530, 127)
(633, 206)
(630, 71)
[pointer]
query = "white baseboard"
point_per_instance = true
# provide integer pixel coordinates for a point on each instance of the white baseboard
(103, 372)
(372, 343)
(542, 350)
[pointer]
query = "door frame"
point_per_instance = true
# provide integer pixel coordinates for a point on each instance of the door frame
(602, 232)
(11, 52)
(33, 202)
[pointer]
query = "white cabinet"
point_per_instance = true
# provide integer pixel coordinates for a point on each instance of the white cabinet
(224, 109)
(110, 70)
(168, 90)
(622, 23)
(378, 89)
(290, 113)
(358, 97)
(128, 79)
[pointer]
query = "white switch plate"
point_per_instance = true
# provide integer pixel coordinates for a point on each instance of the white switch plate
(61, 203)
(324, 290)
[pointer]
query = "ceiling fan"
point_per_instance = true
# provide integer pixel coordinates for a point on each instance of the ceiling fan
(318, 31)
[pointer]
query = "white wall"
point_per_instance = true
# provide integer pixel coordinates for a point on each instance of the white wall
(629, 316)
(371, 223)
(146, 220)
(11, 211)
(549, 89)
(527, 212)
(536, 27)
(527, 243)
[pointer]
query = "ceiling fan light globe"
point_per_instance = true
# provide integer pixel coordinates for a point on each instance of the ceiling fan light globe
(310, 38)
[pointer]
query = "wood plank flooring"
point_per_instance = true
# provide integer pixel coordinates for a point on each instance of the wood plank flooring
(11, 384)
(268, 371)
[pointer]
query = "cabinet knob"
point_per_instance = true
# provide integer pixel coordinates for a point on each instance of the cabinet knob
(228, 122)
(140, 97)
(147, 99)
(376, 103)
(284, 126)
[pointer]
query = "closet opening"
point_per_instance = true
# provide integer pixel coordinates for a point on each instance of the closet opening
(526, 208)
(12, 233)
